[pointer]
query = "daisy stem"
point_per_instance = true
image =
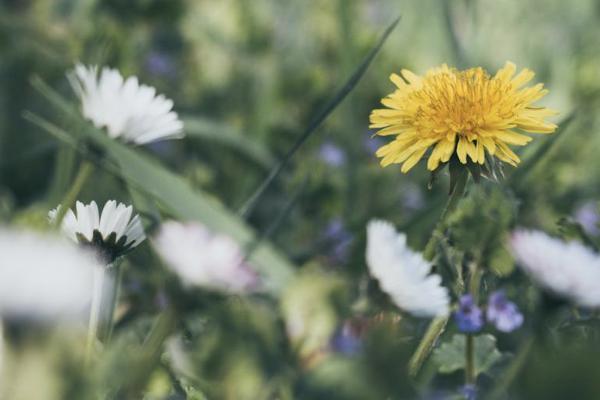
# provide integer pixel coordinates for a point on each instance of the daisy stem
(436, 327)
(94, 313)
(85, 171)
(113, 302)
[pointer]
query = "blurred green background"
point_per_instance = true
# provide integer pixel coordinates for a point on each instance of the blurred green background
(247, 76)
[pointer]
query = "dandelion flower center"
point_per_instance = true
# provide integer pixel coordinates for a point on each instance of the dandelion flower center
(468, 112)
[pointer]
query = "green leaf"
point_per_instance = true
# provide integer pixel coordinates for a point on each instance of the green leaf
(450, 357)
(204, 128)
(329, 107)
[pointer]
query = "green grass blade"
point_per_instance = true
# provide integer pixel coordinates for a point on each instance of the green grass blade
(316, 122)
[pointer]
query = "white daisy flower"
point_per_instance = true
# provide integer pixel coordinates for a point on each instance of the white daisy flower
(113, 232)
(205, 259)
(44, 278)
(127, 109)
(404, 274)
(568, 269)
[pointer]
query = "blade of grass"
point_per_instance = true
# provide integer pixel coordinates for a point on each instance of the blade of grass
(329, 107)
(279, 220)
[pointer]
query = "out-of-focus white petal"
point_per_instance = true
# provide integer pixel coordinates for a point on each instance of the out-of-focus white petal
(402, 273)
(127, 109)
(43, 277)
(568, 269)
(204, 259)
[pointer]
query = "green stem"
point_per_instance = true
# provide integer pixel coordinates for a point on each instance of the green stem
(94, 313)
(436, 327)
(163, 327)
(453, 200)
(85, 171)
(473, 289)
(470, 376)
(113, 302)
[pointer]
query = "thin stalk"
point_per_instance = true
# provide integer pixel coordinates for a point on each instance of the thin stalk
(473, 288)
(470, 375)
(113, 302)
(85, 171)
(436, 327)
(94, 313)
(453, 200)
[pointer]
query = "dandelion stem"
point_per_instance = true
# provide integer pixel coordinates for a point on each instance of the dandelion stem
(436, 327)
(94, 313)
(453, 200)
(85, 171)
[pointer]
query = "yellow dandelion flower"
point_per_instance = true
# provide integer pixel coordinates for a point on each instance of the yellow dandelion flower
(467, 113)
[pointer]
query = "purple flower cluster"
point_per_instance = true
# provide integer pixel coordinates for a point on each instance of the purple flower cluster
(332, 155)
(500, 312)
(339, 240)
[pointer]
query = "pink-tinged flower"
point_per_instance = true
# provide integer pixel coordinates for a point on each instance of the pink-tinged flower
(204, 258)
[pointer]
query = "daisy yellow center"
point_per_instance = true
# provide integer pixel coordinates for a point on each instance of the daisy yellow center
(468, 112)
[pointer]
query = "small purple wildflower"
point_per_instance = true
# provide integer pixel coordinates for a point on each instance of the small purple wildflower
(339, 238)
(589, 218)
(347, 339)
(468, 317)
(469, 392)
(502, 313)
(372, 143)
(160, 64)
(332, 154)
(411, 197)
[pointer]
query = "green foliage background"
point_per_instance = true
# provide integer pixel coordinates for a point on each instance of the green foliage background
(247, 77)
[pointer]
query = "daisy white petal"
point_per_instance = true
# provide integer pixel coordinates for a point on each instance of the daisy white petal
(116, 219)
(404, 274)
(124, 107)
(202, 258)
(568, 269)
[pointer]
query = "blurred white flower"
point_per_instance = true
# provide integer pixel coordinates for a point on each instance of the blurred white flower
(404, 274)
(43, 278)
(568, 269)
(114, 231)
(127, 109)
(205, 259)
